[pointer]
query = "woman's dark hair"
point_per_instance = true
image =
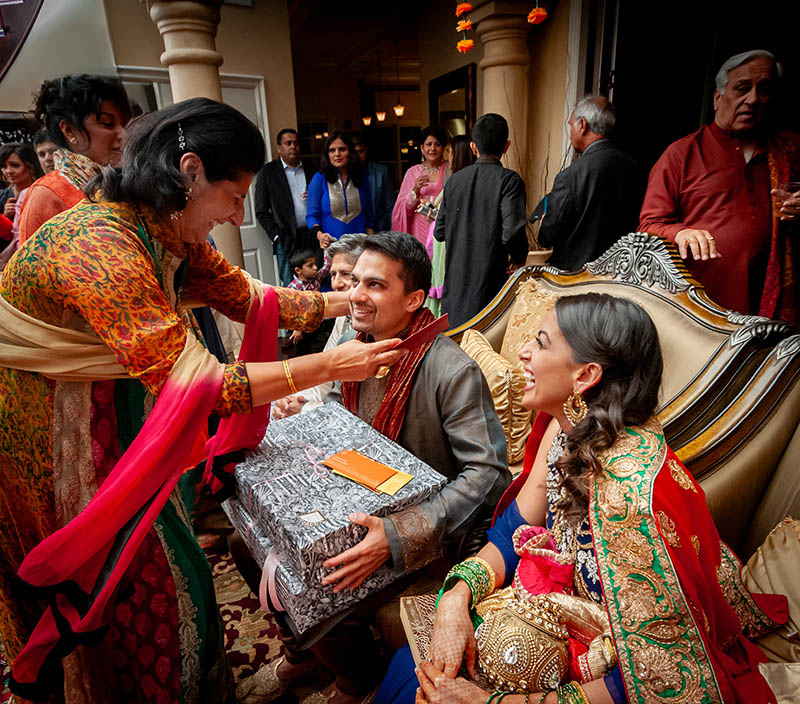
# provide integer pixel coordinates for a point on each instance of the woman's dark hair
(355, 169)
(73, 98)
(227, 143)
(620, 336)
(434, 131)
(462, 154)
(26, 154)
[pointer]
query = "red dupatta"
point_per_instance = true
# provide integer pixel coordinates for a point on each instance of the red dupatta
(78, 569)
(540, 423)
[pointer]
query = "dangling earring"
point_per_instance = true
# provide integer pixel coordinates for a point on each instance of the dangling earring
(575, 408)
(178, 214)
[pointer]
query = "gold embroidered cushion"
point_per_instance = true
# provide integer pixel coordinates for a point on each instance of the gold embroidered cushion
(530, 306)
(507, 385)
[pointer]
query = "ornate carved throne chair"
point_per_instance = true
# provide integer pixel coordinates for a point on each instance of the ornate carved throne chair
(731, 387)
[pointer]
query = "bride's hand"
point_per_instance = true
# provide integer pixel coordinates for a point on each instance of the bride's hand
(436, 688)
(453, 634)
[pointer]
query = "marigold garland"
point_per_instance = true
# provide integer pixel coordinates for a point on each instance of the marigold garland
(465, 45)
(464, 26)
(537, 15)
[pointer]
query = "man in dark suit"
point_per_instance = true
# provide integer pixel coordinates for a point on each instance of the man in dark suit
(281, 189)
(383, 193)
(597, 199)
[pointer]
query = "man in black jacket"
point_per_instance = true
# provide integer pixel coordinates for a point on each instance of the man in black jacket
(281, 189)
(482, 220)
(597, 199)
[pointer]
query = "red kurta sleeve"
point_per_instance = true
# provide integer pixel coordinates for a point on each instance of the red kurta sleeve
(661, 213)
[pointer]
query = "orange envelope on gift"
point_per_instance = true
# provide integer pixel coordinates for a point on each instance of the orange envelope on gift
(368, 472)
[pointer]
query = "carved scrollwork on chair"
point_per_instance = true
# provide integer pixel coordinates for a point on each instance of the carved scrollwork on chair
(644, 260)
(756, 327)
(788, 347)
(743, 319)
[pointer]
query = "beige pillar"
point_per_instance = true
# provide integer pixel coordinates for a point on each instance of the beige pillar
(502, 27)
(189, 29)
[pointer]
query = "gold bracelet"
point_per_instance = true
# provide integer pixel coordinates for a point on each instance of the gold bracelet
(292, 387)
(324, 304)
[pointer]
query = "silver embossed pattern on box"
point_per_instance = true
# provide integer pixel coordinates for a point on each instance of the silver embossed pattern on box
(301, 507)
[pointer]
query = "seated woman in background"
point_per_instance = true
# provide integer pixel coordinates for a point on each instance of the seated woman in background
(627, 529)
(85, 116)
(414, 210)
(339, 200)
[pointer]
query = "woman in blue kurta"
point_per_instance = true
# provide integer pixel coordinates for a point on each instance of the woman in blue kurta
(339, 201)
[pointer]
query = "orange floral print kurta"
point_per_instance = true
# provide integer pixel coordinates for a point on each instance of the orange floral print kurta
(121, 272)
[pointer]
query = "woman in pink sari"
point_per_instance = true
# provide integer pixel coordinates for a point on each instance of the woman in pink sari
(413, 211)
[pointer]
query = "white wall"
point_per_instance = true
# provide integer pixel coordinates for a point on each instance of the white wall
(69, 36)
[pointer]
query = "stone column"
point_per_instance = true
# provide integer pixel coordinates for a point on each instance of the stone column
(189, 29)
(502, 27)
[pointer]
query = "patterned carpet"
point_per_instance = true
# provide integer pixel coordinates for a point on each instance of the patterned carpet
(251, 637)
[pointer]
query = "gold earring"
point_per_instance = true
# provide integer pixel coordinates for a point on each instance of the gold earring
(575, 408)
(72, 140)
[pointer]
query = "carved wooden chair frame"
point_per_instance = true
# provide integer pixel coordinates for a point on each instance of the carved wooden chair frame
(742, 384)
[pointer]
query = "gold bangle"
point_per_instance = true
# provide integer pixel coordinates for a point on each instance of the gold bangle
(292, 387)
(580, 691)
(324, 304)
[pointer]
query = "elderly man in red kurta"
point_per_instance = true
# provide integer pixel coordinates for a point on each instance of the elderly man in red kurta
(710, 194)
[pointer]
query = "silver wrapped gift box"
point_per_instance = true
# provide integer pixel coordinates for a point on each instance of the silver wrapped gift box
(299, 508)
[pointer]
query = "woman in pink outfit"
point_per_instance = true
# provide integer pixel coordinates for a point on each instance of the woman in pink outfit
(413, 211)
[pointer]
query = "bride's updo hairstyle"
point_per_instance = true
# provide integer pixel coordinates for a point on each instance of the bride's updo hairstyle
(620, 336)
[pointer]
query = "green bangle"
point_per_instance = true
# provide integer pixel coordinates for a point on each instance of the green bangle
(494, 695)
(571, 693)
(474, 574)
